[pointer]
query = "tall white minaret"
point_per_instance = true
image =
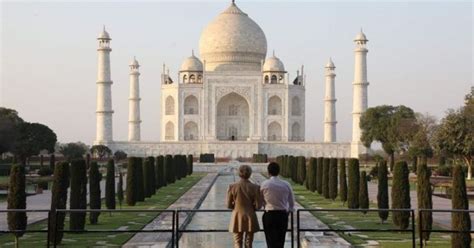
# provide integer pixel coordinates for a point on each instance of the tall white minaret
(104, 110)
(134, 103)
(330, 104)
(359, 100)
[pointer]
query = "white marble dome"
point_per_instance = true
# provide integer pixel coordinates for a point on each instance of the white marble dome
(233, 41)
(191, 64)
(273, 64)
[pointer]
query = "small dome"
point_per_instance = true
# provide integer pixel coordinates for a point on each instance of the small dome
(330, 64)
(192, 64)
(104, 35)
(273, 64)
(361, 37)
(134, 62)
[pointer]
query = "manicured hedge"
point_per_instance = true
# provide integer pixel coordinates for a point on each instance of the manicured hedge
(342, 181)
(333, 178)
(78, 200)
(401, 195)
(353, 184)
(207, 158)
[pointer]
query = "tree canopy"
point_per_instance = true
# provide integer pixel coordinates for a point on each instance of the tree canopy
(100, 151)
(33, 138)
(73, 150)
(9, 119)
(392, 126)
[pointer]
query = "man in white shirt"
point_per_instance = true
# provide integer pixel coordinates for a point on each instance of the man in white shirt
(278, 202)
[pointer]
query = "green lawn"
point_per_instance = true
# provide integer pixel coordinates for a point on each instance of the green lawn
(341, 220)
(162, 200)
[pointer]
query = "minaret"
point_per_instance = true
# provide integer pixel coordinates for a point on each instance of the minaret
(134, 103)
(359, 100)
(104, 110)
(330, 104)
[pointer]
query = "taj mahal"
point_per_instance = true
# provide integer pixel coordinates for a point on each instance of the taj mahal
(232, 100)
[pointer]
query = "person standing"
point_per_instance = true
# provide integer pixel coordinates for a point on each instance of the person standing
(243, 197)
(278, 201)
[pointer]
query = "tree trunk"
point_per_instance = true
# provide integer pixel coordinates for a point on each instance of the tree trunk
(17, 242)
(468, 162)
(392, 161)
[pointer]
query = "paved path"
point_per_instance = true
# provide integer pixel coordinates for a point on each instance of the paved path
(442, 219)
(190, 200)
(40, 201)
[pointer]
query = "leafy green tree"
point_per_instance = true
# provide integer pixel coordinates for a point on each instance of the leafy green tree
(100, 151)
(455, 134)
(120, 190)
(94, 192)
(353, 184)
(78, 199)
(131, 190)
(342, 181)
(31, 139)
(392, 126)
(319, 178)
(301, 169)
(9, 120)
(333, 179)
(382, 190)
(401, 195)
(326, 178)
(421, 145)
(460, 221)
(364, 192)
(110, 185)
(424, 197)
(17, 200)
(73, 150)
(120, 155)
(59, 200)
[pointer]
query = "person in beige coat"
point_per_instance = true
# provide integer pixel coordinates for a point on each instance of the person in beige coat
(243, 197)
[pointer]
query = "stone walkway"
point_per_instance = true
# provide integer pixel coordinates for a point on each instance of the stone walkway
(442, 219)
(40, 201)
(190, 200)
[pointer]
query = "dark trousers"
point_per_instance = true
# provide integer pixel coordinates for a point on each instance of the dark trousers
(275, 224)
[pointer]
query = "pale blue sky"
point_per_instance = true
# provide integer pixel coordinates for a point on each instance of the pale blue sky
(420, 55)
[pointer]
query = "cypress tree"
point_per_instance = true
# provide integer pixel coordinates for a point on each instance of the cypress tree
(94, 192)
(120, 189)
(189, 163)
(149, 177)
(301, 169)
(140, 181)
(312, 174)
(292, 168)
(460, 221)
(184, 166)
(333, 179)
(364, 192)
(16, 199)
(169, 168)
(146, 180)
(319, 181)
(424, 196)
(401, 195)
(131, 189)
(326, 178)
(342, 181)
(353, 184)
(160, 172)
(59, 200)
(382, 192)
(152, 175)
(110, 185)
(78, 198)
(52, 161)
(286, 166)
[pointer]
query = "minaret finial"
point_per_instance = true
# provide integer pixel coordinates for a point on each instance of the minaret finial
(233, 1)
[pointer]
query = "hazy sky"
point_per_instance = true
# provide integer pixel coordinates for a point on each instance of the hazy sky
(420, 55)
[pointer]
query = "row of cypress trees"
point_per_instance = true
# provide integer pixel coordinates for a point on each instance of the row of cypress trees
(259, 158)
(145, 176)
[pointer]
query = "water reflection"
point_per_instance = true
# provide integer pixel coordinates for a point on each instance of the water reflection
(216, 200)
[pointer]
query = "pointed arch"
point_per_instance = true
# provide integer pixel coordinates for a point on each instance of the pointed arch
(169, 106)
(296, 132)
(274, 106)
(191, 105)
(169, 131)
(191, 131)
(274, 131)
(295, 106)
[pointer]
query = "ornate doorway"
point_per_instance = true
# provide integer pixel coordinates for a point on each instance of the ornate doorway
(232, 118)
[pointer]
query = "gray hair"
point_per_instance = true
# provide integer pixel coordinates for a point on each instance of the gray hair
(245, 171)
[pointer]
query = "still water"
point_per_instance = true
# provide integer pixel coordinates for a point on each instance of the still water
(216, 200)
